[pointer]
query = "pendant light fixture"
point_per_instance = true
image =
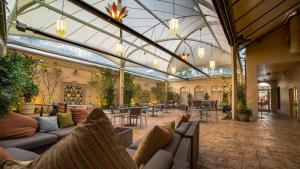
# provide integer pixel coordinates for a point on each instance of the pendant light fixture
(61, 25)
(184, 55)
(212, 63)
(173, 69)
(174, 23)
(155, 59)
(201, 50)
(155, 62)
(119, 49)
(117, 12)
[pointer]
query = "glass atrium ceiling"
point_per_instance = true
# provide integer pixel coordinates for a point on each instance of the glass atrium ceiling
(198, 22)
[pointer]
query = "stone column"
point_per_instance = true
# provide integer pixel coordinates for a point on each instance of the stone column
(234, 52)
(121, 84)
(3, 30)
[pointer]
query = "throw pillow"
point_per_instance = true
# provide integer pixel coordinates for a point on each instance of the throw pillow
(155, 139)
(15, 125)
(5, 155)
(183, 118)
(65, 120)
(48, 124)
(93, 144)
(79, 115)
(170, 126)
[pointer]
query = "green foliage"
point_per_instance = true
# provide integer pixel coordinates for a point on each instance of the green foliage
(128, 88)
(229, 115)
(170, 95)
(158, 91)
(176, 98)
(50, 76)
(15, 78)
(225, 99)
(137, 93)
(145, 96)
(190, 99)
(103, 82)
(245, 111)
(206, 96)
(30, 90)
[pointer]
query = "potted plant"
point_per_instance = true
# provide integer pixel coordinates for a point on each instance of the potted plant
(206, 96)
(190, 99)
(15, 73)
(244, 114)
(29, 91)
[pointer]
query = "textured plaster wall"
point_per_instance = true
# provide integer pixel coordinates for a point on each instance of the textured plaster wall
(207, 83)
(288, 81)
(273, 48)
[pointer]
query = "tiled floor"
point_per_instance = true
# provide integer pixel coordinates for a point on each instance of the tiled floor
(270, 143)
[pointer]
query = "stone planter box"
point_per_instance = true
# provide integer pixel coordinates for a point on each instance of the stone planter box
(125, 135)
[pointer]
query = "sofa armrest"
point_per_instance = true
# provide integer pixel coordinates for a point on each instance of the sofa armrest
(160, 160)
(135, 144)
(184, 126)
(193, 129)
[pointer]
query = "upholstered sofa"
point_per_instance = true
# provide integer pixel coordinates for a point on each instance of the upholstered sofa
(180, 153)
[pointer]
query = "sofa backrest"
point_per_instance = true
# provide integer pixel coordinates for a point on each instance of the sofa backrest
(173, 145)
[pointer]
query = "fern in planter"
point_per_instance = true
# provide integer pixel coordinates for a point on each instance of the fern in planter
(14, 77)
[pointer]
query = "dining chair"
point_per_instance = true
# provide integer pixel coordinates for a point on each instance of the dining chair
(135, 113)
(116, 114)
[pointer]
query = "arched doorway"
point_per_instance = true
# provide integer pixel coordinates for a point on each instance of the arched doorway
(217, 93)
(264, 97)
(199, 93)
(183, 95)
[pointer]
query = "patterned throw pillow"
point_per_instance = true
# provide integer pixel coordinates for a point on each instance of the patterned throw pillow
(93, 144)
(155, 139)
(65, 120)
(48, 124)
(79, 115)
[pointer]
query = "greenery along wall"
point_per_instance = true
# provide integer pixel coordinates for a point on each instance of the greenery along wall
(103, 82)
(16, 81)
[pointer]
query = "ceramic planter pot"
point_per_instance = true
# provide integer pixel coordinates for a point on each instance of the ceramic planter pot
(244, 117)
(28, 108)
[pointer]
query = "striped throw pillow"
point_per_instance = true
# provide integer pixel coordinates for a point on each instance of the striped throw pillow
(92, 145)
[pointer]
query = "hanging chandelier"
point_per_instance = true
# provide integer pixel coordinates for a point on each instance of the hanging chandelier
(119, 49)
(173, 69)
(212, 63)
(174, 26)
(184, 55)
(201, 50)
(61, 25)
(174, 23)
(116, 11)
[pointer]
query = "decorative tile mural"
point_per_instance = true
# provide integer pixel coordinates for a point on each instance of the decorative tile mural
(73, 94)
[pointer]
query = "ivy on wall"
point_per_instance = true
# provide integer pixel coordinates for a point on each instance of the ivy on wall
(103, 82)
(158, 91)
